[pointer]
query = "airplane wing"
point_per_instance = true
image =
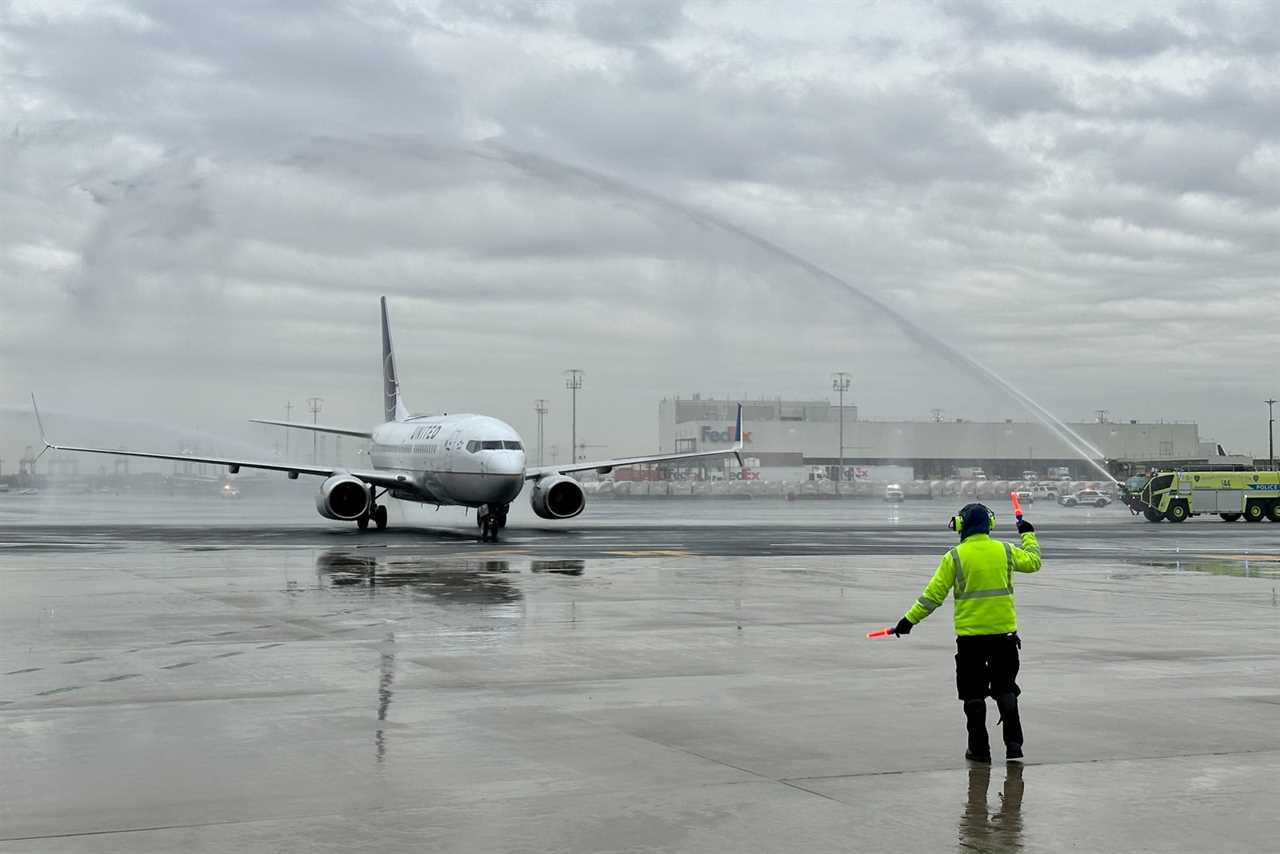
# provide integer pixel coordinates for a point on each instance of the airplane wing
(384, 479)
(605, 466)
(315, 428)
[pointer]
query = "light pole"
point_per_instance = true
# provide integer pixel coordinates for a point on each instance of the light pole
(840, 383)
(573, 382)
(314, 404)
(540, 407)
(1271, 431)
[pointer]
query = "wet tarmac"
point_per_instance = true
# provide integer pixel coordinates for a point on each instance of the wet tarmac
(674, 685)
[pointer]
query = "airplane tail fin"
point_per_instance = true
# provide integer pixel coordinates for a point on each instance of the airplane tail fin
(393, 408)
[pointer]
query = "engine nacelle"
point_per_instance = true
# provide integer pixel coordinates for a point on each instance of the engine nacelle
(343, 497)
(557, 497)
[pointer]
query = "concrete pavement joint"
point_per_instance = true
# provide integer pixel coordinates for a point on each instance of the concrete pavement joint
(1031, 763)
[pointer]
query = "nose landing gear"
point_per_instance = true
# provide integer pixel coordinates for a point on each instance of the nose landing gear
(490, 521)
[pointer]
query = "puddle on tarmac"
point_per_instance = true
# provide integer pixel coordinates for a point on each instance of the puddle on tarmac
(445, 580)
(1237, 566)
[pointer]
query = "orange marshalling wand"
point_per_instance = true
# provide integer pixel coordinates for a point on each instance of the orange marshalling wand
(880, 633)
(1017, 505)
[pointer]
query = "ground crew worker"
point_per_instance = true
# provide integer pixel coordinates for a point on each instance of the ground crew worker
(980, 570)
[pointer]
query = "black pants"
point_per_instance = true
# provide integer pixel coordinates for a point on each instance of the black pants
(987, 666)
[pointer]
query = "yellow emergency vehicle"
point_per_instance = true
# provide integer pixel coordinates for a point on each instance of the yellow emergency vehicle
(1233, 495)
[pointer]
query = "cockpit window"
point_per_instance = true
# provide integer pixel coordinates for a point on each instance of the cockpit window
(493, 445)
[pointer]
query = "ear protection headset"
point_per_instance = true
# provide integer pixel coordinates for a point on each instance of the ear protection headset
(957, 521)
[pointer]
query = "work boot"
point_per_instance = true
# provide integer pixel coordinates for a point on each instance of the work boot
(1012, 723)
(975, 715)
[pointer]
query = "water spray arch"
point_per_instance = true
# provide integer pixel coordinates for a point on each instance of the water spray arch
(554, 170)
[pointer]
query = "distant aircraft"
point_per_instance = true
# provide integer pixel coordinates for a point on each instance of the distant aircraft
(463, 460)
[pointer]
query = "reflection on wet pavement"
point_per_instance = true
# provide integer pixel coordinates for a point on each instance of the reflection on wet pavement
(1240, 566)
(559, 567)
(998, 831)
(447, 581)
(386, 676)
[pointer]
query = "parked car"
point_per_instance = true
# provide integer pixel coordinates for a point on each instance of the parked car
(1046, 491)
(893, 492)
(1085, 496)
(1026, 496)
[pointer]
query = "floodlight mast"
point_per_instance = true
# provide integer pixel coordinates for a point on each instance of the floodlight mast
(540, 407)
(573, 382)
(1271, 431)
(840, 383)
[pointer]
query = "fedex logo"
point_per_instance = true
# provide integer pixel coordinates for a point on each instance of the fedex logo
(711, 434)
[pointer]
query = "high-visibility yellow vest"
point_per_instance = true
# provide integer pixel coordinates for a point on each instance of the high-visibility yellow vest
(980, 571)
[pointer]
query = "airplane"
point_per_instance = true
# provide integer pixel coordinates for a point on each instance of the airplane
(459, 460)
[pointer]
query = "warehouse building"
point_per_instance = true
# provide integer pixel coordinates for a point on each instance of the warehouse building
(788, 440)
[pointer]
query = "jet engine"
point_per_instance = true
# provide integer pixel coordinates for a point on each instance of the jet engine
(343, 497)
(557, 497)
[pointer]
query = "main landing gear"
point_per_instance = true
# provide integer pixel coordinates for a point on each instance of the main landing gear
(490, 521)
(377, 513)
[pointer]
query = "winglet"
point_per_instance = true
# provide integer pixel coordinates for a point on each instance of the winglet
(40, 423)
(737, 448)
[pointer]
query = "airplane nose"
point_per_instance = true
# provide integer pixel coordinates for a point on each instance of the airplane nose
(510, 463)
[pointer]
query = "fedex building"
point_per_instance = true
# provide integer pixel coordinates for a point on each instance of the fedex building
(790, 439)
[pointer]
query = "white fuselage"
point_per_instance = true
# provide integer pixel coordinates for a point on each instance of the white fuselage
(469, 460)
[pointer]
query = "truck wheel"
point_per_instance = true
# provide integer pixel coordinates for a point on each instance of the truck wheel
(1230, 517)
(1177, 512)
(1151, 514)
(1254, 511)
(1274, 512)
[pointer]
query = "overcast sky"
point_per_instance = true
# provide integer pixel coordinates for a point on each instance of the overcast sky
(202, 202)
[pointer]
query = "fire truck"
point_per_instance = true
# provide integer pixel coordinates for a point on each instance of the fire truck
(1233, 495)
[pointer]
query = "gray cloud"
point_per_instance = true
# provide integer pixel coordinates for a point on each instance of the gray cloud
(1009, 91)
(1139, 36)
(202, 203)
(630, 22)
